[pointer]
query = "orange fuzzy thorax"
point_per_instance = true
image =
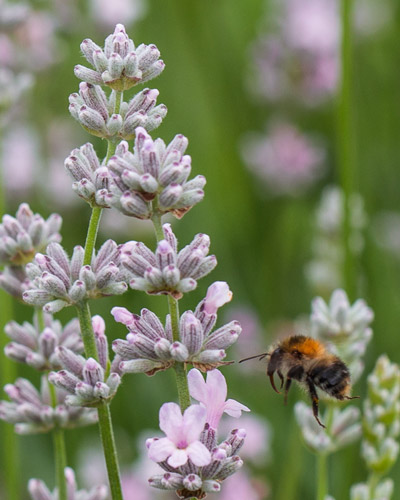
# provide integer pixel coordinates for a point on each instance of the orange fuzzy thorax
(305, 345)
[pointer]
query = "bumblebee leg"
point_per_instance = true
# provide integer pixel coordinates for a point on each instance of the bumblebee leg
(271, 378)
(287, 387)
(281, 378)
(315, 401)
(352, 397)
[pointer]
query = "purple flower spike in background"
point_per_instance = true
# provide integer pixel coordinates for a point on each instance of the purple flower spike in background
(212, 394)
(182, 436)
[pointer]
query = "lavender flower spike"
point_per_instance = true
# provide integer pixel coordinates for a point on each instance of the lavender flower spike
(149, 346)
(57, 281)
(120, 65)
(37, 348)
(95, 112)
(86, 379)
(212, 394)
(25, 234)
(194, 463)
(39, 491)
(166, 271)
(31, 411)
(153, 170)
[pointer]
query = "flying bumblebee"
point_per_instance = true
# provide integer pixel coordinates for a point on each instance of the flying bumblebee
(308, 362)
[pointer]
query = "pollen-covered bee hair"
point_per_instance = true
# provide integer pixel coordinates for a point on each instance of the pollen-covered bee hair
(308, 362)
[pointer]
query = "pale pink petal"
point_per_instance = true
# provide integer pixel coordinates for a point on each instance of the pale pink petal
(197, 385)
(218, 294)
(171, 421)
(234, 408)
(178, 458)
(198, 453)
(122, 315)
(217, 389)
(194, 420)
(98, 324)
(161, 449)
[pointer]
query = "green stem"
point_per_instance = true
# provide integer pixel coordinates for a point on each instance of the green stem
(60, 455)
(110, 451)
(92, 235)
(85, 322)
(373, 481)
(180, 370)
(322, 476)
(345, 144)
(173, 306)
(105, 422)
(322, 458)
(156, 219)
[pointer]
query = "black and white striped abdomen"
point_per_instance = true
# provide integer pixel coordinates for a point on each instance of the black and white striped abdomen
(333, 378)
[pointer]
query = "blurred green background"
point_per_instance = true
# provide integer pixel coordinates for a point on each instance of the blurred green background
(262, 242)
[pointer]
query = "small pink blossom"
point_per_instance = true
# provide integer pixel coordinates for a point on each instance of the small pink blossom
(98, 324)
(212, 394)
(122, 315)
(218, 294)
(182, 436)
(287, 160)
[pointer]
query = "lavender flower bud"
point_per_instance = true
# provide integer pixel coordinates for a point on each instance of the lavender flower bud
(164, 167)
(119, 65)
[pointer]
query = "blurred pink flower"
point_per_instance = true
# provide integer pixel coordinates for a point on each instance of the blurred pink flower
(212, 394)
(257, 446)
(20, 160)
(108, 14)
(285, 159)
(301, 60)
(311, 25)
(240, 486)
(182, 436)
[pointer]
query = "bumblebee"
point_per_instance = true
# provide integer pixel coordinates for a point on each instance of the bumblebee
(308, 362)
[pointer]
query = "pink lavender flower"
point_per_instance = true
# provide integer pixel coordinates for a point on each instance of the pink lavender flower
(182, 436)
(108, 14)
(36, 347)
(58, 281)
(286, 160)
(167, 271)
(153, 170)
(31, 412)
(150, 347)
(300, 60)
(241, 486)
(218, 294)
(212, 395)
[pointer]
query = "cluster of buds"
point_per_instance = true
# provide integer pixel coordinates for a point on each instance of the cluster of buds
(91, 180)
(166, 271)
(344, 430)
(39, 491)
(193, 461)
(20, 238)
(120, 65)
(344, 327)
(57, 281)
(153, 170)
(31, 412)
(86, 380)
(381, 422)
(36, 347)
(95, 112)
(150, 347)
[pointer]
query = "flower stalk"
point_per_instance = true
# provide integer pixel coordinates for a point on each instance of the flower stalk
(345, 145)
